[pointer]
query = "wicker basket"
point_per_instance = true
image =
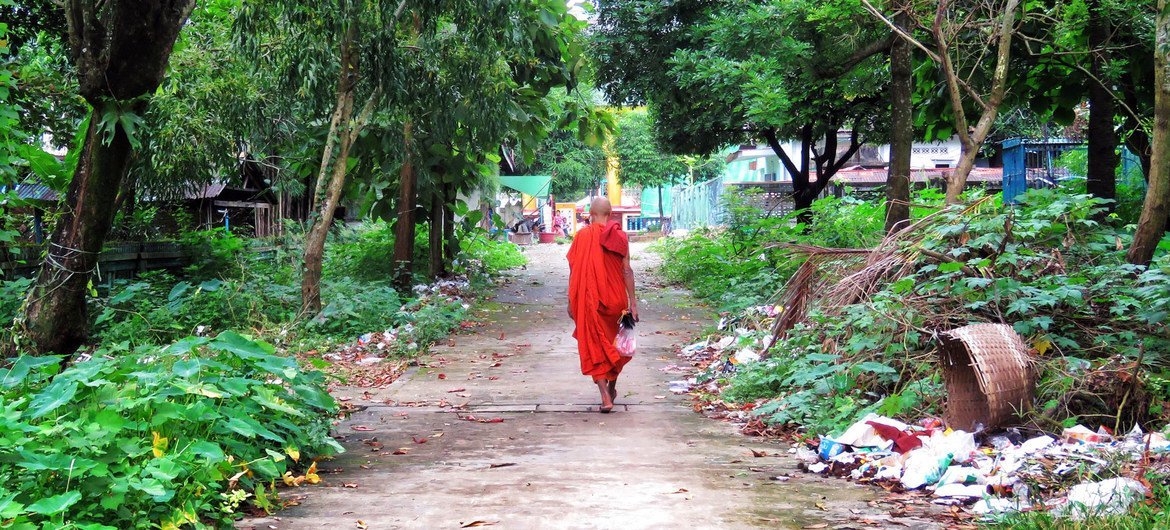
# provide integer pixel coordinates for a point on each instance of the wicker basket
(988, 375)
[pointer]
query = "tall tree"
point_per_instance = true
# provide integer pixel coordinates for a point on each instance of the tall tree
(962, 32)
(901, 127)
(640, 161)
(120, 49)
(1101, 173)
(360, 47)
(1156, 209)
(719, 73)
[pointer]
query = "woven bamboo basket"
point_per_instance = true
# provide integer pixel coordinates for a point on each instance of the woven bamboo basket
(988, 374)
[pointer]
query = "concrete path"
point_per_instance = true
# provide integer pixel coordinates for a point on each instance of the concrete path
(529, 450)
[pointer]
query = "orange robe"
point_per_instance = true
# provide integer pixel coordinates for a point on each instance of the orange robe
(597, 295)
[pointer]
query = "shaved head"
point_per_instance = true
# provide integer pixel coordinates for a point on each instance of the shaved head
(600, 207)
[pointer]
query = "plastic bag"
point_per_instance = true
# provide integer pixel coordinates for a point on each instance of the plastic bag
(626, 341)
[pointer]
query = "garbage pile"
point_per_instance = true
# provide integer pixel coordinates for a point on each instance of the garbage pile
(744, 339)
(1006, 473)
(362, 363)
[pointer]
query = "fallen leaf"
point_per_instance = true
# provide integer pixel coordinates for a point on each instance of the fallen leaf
(813, 526)
(361, 524)
(349, 485)
(437, 435)
(680, 490)
(758, 454)
(361, 428)
(453, 390)
(442, 376)
(820, 506)
(505, 464)
(478, 523)
(401, 451)
(418, 440)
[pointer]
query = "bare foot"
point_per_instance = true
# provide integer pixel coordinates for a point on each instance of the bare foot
(606, 398)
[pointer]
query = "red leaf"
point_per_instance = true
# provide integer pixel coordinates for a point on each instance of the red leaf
(442, 376)
(418, 440)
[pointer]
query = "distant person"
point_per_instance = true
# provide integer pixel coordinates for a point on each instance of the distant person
(601, 290)
(561, 224)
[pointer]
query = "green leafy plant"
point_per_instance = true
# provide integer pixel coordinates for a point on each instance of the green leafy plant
(155, 437)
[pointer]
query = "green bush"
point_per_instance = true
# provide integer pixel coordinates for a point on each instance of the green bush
(744, 264)
(157, 308)
(220, 253)
(156, 437)
(1047, 267)
(365, 252)
(480, 254)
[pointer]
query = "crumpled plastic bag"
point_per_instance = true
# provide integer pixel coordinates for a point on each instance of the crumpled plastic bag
(1106, 497)
(626, 342)
(960, 445)
(861, 434)
(923, 466)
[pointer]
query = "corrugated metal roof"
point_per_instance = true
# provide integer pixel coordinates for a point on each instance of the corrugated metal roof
(209, 191)
(33, 192)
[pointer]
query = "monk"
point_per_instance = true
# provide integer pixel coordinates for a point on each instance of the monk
(601, 289)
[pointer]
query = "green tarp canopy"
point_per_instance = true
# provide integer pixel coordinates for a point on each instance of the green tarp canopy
(534, 185)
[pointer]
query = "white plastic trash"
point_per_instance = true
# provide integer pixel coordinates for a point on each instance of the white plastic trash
(746, 356)
(923, 466)
(1000, 505)
(959, 444)
(1107, 497)
(861, 434)
(962, 475)
(1035, 444)
(959, 491)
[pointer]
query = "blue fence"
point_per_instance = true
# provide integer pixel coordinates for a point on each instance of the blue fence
(1035, 164)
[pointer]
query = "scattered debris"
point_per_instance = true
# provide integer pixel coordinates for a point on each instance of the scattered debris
(1007, 473)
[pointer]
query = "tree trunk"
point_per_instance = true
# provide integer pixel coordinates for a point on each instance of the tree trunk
(972, 140)
(325, 198)
(802, 204)
(435, 267)
(404, 225)
(57, 320)
(451, 245)
(1152, 223)
(121, 51)
(901, 130)
(661, 210)
(957, 181)
(1101, 178)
